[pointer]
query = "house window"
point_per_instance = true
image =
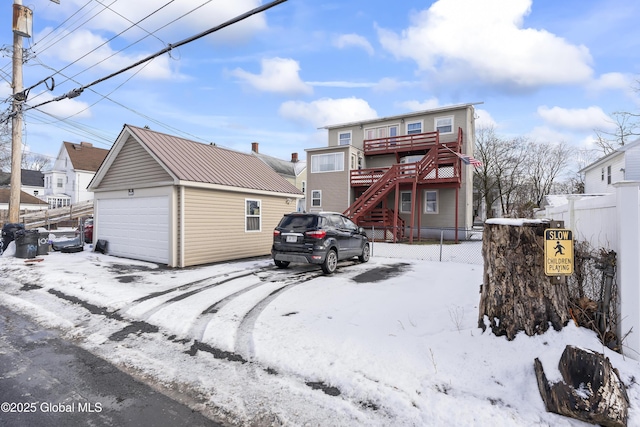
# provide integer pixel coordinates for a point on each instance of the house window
(304, 187)
(405, 201)
(381, 132)
(60, 183)
(431, 201)
(332, 162)
(316, 198)
(609, 174)
(444, 124)
(344, 138)
(252, 215)
(414, 128)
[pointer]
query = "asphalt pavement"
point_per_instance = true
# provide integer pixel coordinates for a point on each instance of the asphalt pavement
(48, 381)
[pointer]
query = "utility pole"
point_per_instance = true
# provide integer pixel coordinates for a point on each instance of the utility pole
(16, 121)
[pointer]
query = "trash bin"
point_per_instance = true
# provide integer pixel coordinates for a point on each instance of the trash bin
(8, 233)
(26, 243)
(43, 243)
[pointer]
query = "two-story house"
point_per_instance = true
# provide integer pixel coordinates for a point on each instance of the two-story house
(621, 165)
(404, 175)
(74, 168)
(294, 171)
(32, 182)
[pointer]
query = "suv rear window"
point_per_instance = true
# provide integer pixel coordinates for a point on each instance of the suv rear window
(298, 222)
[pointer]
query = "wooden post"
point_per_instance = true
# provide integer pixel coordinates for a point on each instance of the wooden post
(516, 294)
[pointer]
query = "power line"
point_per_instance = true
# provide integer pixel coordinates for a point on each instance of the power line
(117, 35)
(76, 92)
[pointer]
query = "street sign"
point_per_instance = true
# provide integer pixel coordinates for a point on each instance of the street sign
(558, 252)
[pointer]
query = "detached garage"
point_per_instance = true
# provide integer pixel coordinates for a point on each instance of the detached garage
(173, 201)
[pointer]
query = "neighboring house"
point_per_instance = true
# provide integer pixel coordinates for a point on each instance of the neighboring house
(401, 173)
(294, 171)
(28, 202)
(169, 200)
(620, 165)
(32, 182)
(66, 183)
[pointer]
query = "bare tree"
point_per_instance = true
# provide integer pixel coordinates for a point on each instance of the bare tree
(5, 147)
(626, 126)
(501, 172)
(35, 161)
(545, 162)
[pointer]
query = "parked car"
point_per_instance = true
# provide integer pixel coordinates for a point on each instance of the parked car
(318, 238)
(88, 230)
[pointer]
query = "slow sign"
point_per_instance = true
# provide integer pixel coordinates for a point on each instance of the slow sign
(558, 252)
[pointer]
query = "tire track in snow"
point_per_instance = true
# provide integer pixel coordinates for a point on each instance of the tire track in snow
(208, 315)
(203, 285)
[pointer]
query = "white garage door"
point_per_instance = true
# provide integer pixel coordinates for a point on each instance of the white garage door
(135, 228)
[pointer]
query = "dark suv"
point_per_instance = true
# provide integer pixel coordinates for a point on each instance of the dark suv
(318, 238)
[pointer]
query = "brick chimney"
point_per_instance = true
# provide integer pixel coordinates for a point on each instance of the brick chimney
(254, 147)
(86, 144)
(294, 157)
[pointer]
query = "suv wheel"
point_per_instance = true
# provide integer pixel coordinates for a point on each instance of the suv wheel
(281, 264)
(365, 253)
(330, 262)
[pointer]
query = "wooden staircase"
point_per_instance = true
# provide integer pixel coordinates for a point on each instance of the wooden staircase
(380, 219)
(398, 173)
(441, 165)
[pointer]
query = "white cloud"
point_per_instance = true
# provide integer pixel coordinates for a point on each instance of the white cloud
(103, 58)
(64, 108)
(278, 75)
(388, 84)
(413, 105)
(484, 119)
(342, 84)
(353, 40)
(584, 119)
(328, 111)
(201, 18)
(612, 81)
(485, 40)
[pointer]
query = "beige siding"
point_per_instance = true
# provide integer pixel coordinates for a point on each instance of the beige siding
(133, 167)
(215, 225)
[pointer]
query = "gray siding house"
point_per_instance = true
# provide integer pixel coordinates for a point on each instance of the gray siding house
(403, 175)
(173, 201)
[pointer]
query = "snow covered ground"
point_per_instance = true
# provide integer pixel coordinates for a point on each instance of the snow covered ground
(393, 342)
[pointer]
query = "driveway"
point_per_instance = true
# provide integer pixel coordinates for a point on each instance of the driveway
(49, 381)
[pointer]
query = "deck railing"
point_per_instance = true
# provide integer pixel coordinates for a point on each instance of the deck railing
(406, 143)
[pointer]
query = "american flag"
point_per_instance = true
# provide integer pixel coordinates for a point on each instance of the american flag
(469, 160)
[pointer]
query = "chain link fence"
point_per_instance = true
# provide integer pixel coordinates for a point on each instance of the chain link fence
(435, 244)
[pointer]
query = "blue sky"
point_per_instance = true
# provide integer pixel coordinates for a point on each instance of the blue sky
(545, 69)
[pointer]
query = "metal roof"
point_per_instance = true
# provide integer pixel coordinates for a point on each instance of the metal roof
(207, 163)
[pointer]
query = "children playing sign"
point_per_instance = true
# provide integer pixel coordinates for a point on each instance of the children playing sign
(558, 252)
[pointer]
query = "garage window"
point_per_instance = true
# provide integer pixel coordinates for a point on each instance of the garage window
(252, 215)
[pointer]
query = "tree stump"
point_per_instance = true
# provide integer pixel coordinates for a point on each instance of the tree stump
(591, 389)
(516, 294)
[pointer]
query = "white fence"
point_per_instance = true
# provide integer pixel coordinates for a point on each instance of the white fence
(613, 222)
